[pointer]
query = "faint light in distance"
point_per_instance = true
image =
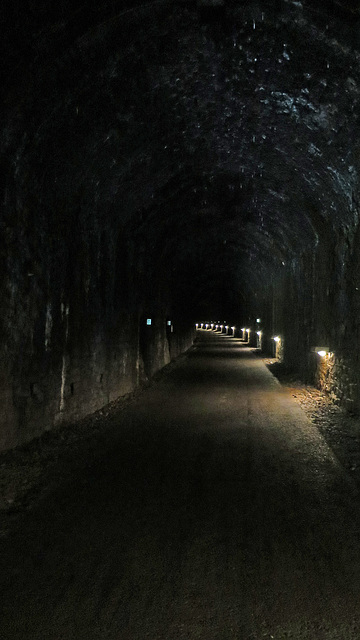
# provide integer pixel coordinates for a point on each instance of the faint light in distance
(148, 321)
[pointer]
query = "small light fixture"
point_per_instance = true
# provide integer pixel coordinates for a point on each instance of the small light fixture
(259, 333)
(148, 321)
(277, 338)
(226, 327)
(247, 330)
(258, 320)
(232, 328)
(169, 323)
(321, 351)
(242, 329)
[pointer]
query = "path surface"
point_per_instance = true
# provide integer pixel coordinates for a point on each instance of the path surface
(218, 512)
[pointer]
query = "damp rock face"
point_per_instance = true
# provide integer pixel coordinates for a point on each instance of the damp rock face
(171, 162)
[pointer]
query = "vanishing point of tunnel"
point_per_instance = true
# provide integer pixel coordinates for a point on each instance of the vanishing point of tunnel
(180, 186)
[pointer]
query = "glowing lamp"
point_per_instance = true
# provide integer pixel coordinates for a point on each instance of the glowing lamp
(258, 320)
(321, 351)
(233, 328)
(148, 321)
(277, 338)
(258, 333)
(242, 329)
(247, 330)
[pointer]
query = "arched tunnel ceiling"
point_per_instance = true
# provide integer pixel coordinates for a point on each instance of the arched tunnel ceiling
(224, 133)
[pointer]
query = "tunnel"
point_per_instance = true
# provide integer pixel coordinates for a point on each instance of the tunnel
(166, 163)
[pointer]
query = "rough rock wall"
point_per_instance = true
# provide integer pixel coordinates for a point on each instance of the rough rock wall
(73, 338)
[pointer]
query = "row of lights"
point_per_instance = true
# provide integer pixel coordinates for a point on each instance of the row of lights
(321, 351)
(202, 325)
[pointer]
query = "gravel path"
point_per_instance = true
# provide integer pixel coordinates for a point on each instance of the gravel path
(209, 505)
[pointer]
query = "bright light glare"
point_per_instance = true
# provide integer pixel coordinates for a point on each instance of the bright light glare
(233, 328)
(247, 330)
(258, 320)
(277, 339)
(322, 353)
(259, 333)
(242, 329)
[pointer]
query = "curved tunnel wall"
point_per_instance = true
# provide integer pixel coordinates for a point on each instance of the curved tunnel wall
(172, 161)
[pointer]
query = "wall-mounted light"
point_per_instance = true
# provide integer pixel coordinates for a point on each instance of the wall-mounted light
(226, 327)
(277, 338)
(169, 323)
(212, 325)
(259, 333)
(258, 320)
(247, 330)
(148, 321)
(321, 351)
(242, 330)
(232, 328)
(221, 326)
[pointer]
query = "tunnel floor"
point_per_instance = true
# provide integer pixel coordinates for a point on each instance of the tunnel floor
(216, 510)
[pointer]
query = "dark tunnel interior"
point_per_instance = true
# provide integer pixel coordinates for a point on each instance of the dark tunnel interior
(174, 161)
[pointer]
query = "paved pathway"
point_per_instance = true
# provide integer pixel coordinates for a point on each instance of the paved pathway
(218, 512)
